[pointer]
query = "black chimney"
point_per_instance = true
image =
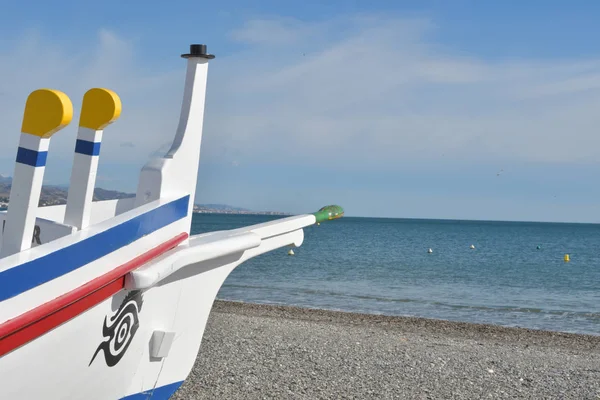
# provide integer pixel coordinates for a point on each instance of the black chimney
(198, 50)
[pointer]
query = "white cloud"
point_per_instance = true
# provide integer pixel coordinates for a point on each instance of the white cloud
(273, 32)
(377, 92)
(150, 107)
(356, 92)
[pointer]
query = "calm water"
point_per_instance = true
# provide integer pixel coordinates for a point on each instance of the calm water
(381, 266)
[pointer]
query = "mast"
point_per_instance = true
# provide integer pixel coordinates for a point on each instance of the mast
(177, 171)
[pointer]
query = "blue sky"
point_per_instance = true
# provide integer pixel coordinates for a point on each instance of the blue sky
(399, 109)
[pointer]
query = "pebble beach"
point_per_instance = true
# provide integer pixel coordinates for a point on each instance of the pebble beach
(252, 351)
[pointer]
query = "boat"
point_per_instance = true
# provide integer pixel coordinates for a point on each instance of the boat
(110, 299)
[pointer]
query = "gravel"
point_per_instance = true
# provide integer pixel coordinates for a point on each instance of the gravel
(254, 351)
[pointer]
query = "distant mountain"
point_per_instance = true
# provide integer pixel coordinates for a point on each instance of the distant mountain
(53, 195)
(57, 194)
(105, 194)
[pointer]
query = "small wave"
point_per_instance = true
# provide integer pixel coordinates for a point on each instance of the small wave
(323, 292)
(500, 308)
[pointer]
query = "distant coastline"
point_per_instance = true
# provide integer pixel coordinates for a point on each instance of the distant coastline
(57, 195)
(225, 209)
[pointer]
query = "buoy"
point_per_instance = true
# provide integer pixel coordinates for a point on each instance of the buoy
(318, 224)
(430, 251)
(472, 246)
(567, 258)
(538, 247)
(291, 252)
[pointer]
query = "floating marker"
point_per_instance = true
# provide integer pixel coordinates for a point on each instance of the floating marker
(100, 108)
(566, 258)
(538, 247)
(46, 112)
(291, 252)
(472, 246)
(430, 251)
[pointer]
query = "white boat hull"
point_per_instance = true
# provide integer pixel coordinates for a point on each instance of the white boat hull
(110, 299)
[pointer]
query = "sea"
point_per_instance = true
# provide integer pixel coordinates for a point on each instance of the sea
(516, 275)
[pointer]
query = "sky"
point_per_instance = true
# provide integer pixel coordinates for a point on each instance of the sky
(412, 109)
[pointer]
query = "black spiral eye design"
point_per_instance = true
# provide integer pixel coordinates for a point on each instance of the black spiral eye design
(119, 329)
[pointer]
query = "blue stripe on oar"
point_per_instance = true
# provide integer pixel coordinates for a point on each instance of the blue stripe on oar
(31, 157)
(28, 275)
(87, 147)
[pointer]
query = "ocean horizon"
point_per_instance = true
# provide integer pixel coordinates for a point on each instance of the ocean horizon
(515, 276)
(469, 220)
(382, 266)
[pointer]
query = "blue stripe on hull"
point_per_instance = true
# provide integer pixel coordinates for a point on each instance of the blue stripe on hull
(159, 393)
(26, 276)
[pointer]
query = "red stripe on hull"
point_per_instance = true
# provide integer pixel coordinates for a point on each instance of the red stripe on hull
(34, 323)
